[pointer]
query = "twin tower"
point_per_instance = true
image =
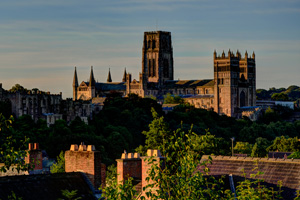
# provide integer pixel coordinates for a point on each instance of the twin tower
(233, 86)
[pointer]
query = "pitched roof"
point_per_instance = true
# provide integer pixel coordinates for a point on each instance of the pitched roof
(188, 83)
(111, 86)
(285, 170)
(45, 186)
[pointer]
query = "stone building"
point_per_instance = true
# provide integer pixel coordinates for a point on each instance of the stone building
(89, 90)
(36, 103)
(233, 86)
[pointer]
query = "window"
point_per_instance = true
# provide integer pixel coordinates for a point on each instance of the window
(154, 68)
(153, 44)
(166, 68)
(149, 43)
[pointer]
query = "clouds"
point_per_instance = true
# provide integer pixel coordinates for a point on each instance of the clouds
(42, 38)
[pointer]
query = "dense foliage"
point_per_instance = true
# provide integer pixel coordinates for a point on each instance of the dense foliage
(292, 93)
(123, 125)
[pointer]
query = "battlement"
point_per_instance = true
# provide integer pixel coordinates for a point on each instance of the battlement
(157, 32)
(231, 55)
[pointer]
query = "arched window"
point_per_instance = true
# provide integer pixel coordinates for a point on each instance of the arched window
(149, 43)
(166, 68)
(153, 44)
(242, 99)
(154, 67)
(149, 67)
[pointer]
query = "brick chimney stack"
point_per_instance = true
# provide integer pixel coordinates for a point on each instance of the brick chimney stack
(129, 166)
(34, 158)
(132, 165)
(146, 165)
(85, 159)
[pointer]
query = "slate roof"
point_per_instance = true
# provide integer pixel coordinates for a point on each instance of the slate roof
(111, 86)
(45, 186)
(285, 170)
(188, 83)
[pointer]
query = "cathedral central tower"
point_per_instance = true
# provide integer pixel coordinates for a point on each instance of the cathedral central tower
(157, 61)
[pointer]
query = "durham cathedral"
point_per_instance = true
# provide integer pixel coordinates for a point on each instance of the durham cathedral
(233, 86)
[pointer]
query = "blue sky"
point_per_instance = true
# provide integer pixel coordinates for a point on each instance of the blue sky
(41, 41)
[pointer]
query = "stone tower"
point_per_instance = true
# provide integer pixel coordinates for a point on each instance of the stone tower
(157, 60)
(226, 76)
(247, 81)
(234, 82)
(75, 85)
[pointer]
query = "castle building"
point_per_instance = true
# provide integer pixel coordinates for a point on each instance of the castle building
(38, 104)
(233, 86)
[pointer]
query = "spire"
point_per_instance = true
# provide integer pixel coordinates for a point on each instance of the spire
(75, 79)
(253, 55)
(92, 79)
(229, 53)
(109, 77)
(124, 76)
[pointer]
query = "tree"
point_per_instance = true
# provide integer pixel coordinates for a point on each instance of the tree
(59, 166)
(280, 97)
(179, 179)
(173, 99)
(243, 148)
(18, 88)
(284, 144)
(259, 148)
(12, 150)
(69, 195)
(124, 191)
(158, 131)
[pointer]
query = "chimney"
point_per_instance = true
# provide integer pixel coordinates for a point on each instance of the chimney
(132, 165)
(129, 166)
(87, 160)
(146, 166)
(34, 158)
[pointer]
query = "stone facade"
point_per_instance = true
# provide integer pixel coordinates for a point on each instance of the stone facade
(36, 103)
(233, 86)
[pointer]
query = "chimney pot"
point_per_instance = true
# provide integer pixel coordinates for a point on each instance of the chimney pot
(74, 147)
(156, 153)
(82, 147)
(30, 146)
(91, 148)
(36, 146)
(136, 155)
(150, 152)
(124, 156)
(130, 155)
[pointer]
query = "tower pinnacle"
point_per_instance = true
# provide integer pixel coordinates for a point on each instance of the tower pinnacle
(92, 79)
(124, 76)
(109, 77)
(75, 79)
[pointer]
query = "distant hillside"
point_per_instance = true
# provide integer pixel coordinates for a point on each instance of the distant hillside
(291, 93)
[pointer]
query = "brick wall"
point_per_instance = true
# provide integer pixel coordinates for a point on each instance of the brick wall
(132, 165)
(84, 159)
(146, 166)
(34, 157)
(129, 166)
